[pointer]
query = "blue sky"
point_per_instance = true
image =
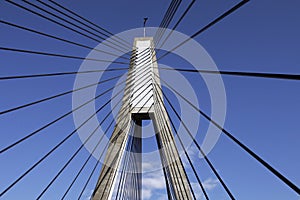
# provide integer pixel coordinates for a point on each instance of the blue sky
(263, 36)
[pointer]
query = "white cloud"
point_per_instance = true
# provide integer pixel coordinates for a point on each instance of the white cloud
(192, 151)
(146, 193)
(153, 183)
(161, 197)
(210, 183)
(146, 166)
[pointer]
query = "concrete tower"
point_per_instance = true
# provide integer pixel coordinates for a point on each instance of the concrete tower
(142, 99)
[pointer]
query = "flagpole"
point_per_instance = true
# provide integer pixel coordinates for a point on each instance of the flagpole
(145, 20)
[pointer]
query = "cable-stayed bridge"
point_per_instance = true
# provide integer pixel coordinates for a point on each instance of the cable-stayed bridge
(110, 164)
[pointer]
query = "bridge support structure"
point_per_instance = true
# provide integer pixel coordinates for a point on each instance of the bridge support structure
(143, 99)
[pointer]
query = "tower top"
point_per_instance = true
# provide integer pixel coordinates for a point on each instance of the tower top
(142, 90)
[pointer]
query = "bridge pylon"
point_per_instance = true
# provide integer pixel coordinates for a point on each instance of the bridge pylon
(142, 100)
